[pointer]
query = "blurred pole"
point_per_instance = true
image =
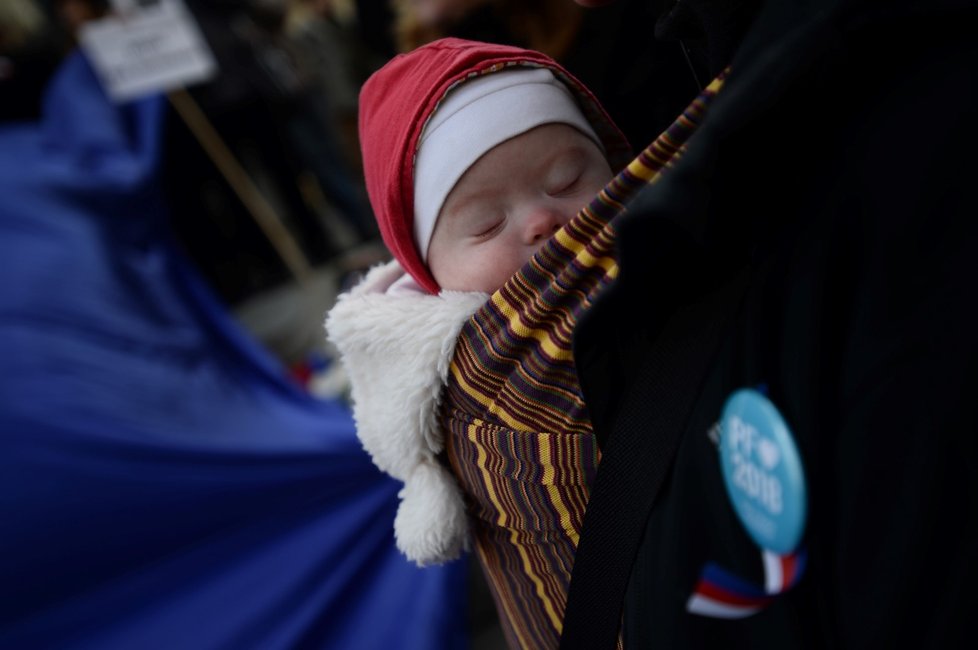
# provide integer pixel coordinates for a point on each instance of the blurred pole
(242, 185)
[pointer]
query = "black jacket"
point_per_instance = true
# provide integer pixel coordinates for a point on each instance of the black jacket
(819, 238)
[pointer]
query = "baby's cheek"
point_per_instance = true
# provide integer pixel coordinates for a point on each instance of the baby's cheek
(518, 260)
(494, 271)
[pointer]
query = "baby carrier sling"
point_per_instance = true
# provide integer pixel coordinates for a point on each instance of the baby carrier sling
(517, 432)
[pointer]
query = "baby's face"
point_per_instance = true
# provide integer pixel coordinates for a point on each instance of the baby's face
(506, 205)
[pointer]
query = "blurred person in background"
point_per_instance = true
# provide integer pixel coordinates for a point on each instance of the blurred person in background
(305, 107)
(265, 106)
(35, 37)
(31, 48)
(72, 14)
(279, 114)
(326, 33)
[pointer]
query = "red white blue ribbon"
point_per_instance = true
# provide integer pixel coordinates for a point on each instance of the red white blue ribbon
(721, 594)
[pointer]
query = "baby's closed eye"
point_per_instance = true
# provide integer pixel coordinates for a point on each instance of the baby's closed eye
(486, 227)
(567, 173)
(565, 186)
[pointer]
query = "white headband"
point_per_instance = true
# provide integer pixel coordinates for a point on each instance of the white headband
(473, 118)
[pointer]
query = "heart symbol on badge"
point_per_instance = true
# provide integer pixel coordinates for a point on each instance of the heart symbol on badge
(768, 451)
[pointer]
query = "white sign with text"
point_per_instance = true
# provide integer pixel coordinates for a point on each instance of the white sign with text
(154, 48)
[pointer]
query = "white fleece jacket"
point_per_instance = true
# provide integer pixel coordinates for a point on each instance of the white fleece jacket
(396, 347)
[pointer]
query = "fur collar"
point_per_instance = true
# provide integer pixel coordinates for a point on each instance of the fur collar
(396, 348)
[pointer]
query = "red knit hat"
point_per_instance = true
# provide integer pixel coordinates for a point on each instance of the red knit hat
(396, 103)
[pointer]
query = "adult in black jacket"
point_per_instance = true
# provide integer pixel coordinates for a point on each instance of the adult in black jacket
(818, 245)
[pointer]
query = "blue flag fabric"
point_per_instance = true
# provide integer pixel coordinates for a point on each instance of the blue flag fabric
(162, 483)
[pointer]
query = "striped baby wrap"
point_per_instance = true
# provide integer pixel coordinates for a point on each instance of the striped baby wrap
(518, 438)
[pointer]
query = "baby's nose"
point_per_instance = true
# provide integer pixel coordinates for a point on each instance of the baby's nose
(542, 222)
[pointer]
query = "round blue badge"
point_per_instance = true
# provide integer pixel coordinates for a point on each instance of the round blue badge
(762, 471)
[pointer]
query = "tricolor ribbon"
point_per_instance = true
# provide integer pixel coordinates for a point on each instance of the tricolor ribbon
(721, 594)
